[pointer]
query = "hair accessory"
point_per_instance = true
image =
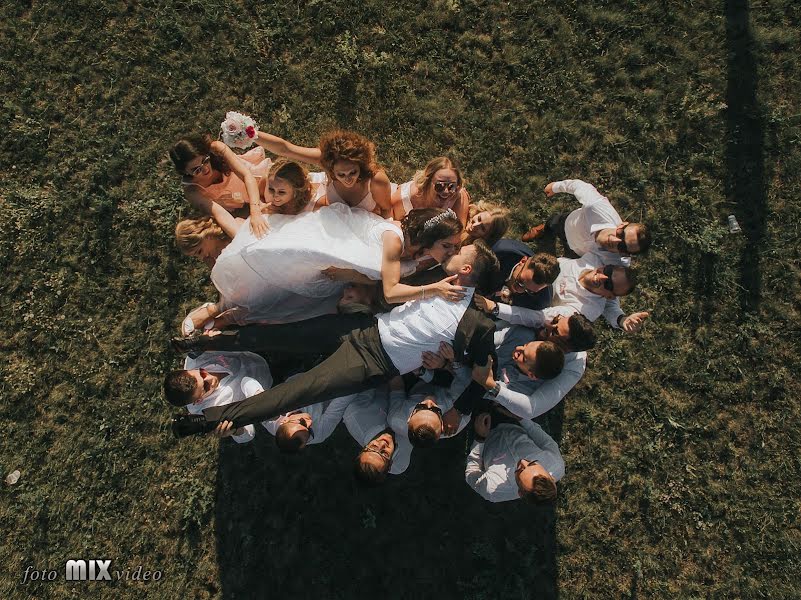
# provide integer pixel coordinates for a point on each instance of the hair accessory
(238, 130)
(435, 220)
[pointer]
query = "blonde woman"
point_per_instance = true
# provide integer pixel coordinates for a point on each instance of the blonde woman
(486, 221)
(440, 184)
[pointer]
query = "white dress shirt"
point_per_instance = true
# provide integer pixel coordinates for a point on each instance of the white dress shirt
(325, 417)
(418, 326)
(247, 375)
(491, 465)
(366, 416)
(401, 407)
(568, 291)
(583, 224)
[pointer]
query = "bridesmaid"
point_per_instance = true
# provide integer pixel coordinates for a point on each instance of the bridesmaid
(351, 173)
(211, 171)
(486, 221)
(440, 185)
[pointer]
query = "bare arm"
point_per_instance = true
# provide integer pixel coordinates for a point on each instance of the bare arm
(281, 147)
(258, 223)
(227, 222)
(382, 192)
(398, 293)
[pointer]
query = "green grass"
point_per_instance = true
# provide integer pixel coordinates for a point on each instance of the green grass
(682, 444)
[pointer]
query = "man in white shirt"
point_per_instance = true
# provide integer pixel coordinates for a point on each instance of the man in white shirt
(595, 227)
(366, 421)
(510, 461)
(363, 350)
(417, 419)
(592, 288)
(216, 379)
(311, 424)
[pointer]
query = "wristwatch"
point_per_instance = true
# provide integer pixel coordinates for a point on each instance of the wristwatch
(495, 310)
(495, 390)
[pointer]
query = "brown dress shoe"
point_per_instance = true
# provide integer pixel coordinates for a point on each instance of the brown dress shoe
(534, 233)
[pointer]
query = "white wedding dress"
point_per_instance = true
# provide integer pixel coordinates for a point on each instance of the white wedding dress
(278, 278)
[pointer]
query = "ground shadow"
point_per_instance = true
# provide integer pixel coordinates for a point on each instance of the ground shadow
(299, 526)
(745, 163)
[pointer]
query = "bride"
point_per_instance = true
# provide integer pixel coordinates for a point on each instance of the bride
(298, 270)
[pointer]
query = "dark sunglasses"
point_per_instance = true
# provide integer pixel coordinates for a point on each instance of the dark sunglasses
(621, 245)
(442, 187)
(386, 457)
(422, 406)
(198, 169)
(608, 283)
(307, 425)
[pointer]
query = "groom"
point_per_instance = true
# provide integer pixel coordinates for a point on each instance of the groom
(363, 350)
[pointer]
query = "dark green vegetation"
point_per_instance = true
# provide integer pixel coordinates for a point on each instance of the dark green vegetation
(682, 444)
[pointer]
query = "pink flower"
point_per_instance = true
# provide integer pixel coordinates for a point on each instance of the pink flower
(251, 131)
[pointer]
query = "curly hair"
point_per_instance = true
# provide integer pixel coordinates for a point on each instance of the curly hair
(340, 145)
(298, 177)
(414, 226)
(190, 233)
(190, 147)
(498, 226)
(424, 180)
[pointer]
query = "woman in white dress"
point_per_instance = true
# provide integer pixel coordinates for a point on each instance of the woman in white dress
(297, 271)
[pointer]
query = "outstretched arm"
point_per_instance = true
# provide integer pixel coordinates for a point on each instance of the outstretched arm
(396, 292)
(258, 224)
(281, 147)
(382, 193)
(583, 191)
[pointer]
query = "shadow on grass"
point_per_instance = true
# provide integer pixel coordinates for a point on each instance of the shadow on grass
(298, 526)
(745, 163)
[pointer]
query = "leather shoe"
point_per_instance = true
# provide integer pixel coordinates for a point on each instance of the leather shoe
(188, 344)
(186, 425)
(534, 233)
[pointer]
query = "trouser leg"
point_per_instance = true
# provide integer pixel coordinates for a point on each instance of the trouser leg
(321, 335)
(555, 225)
(351, 368)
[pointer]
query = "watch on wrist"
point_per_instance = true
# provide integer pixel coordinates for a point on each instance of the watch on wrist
(495, 310)
(496, 389)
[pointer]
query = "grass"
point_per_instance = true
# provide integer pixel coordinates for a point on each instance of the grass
(682, 444)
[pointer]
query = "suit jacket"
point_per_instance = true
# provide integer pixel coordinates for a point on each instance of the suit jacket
(509, 253)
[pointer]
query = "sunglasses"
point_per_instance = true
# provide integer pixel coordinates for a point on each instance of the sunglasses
(442, 187)
(206, 384)
(382, 453)
(608, 283)
(521, 285)
(303, 421)
(199, 169)
(621, 245)
(423, 406)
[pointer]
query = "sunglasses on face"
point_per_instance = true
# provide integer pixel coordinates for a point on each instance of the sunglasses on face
(199, 169)
(608, 283)
(443, 187)
(382, 453)
(621, 245)
(303, 421)
(423, 406)
(521, 285)
(206, 383)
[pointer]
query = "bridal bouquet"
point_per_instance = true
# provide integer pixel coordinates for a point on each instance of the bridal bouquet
(238, 130)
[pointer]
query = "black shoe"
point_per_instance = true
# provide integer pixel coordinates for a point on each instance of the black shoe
(188, 344)
(186, 425)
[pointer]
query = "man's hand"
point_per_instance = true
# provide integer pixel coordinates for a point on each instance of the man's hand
(450, 422)
(481, 425)
(483, 303)
(224, 429)
(483, 375)
(634, 322)
(446, 351)
(549, 190)
(433, 360)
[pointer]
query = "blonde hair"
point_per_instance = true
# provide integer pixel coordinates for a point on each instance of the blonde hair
(424, 180)
(298, 177)
(499, 225)
(190, 233)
